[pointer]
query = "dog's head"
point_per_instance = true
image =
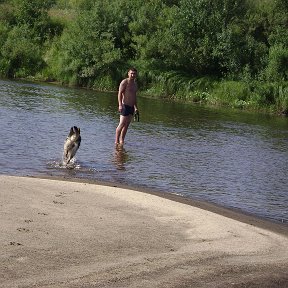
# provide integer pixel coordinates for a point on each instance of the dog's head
(74, 131)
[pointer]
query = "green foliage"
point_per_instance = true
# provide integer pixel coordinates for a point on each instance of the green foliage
(197, 32)
(6, 13)
(4, 29)
(221, 52)
(144, 25)
(86, 50)
(255, 95)
(34, 14)
(279, 19)
(282, 99)
(30, 12)
(277, 69)
(28, 31)
(232, 93)
(21, 53)
(273, 96)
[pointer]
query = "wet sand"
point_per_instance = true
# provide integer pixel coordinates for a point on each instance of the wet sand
(56, 233)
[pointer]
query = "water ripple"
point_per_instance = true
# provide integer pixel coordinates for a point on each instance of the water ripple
(234, 159)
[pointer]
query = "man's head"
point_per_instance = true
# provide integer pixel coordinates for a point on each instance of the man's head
(132, 73)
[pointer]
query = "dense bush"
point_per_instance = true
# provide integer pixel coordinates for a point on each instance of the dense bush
(225, 52)
(21, 53)
(26, 30)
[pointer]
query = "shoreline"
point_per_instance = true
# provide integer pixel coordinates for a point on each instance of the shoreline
(69, 233)
(254, 110)
(235, 214)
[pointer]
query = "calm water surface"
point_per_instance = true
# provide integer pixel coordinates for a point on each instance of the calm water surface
(234, 159)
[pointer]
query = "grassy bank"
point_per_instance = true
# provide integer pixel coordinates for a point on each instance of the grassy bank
(258, 96)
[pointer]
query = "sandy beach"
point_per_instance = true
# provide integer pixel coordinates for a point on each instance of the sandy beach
(56, 233)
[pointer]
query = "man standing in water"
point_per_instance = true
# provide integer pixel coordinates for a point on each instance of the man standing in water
(127, 104)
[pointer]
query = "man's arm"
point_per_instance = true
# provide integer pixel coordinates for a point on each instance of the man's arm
(121, 91)
(135, 106)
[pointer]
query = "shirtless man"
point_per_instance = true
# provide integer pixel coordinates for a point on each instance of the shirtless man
(127, 104)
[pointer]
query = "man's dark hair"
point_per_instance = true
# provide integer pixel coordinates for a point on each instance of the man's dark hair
(133, 69)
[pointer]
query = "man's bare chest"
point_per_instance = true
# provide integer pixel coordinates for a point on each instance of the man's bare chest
(131, 88)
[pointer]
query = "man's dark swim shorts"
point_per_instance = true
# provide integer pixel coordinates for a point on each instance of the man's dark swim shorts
(127, 110)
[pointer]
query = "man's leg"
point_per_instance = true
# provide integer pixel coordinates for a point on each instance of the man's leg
(123, 134)
(119, 129)
(126, 122)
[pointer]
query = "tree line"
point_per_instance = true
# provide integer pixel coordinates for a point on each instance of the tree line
(218, 52)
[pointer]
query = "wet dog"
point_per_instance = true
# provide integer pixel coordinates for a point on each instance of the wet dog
(71, 144)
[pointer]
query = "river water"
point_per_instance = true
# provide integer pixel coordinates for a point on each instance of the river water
(232, 158)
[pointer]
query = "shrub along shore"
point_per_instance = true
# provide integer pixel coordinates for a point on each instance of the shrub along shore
(221, 53)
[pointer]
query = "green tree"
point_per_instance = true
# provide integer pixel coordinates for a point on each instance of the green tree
(192, 36)
(34, 14)
(21, 53)
(86, 50)
(30, 12)
(278, 23)
(277, 68)
(29, 32)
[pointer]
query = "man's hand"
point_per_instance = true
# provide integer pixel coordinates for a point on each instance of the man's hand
(136, 115)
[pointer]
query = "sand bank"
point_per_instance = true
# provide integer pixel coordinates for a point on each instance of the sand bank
(68, 234)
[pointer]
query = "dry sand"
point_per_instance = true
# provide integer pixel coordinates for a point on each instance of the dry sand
(68, 234)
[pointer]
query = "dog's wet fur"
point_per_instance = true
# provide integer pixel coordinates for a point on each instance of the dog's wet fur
(71, 144)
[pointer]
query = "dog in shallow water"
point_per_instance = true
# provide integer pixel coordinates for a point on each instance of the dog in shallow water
(71, 144)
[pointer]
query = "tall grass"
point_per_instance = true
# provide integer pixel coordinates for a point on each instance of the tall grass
(253, 95)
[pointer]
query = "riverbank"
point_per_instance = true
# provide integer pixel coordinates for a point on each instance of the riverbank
(69, 234)
(225, 94)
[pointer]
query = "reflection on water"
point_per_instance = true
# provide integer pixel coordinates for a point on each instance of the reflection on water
(234, 159)
(120, 157)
